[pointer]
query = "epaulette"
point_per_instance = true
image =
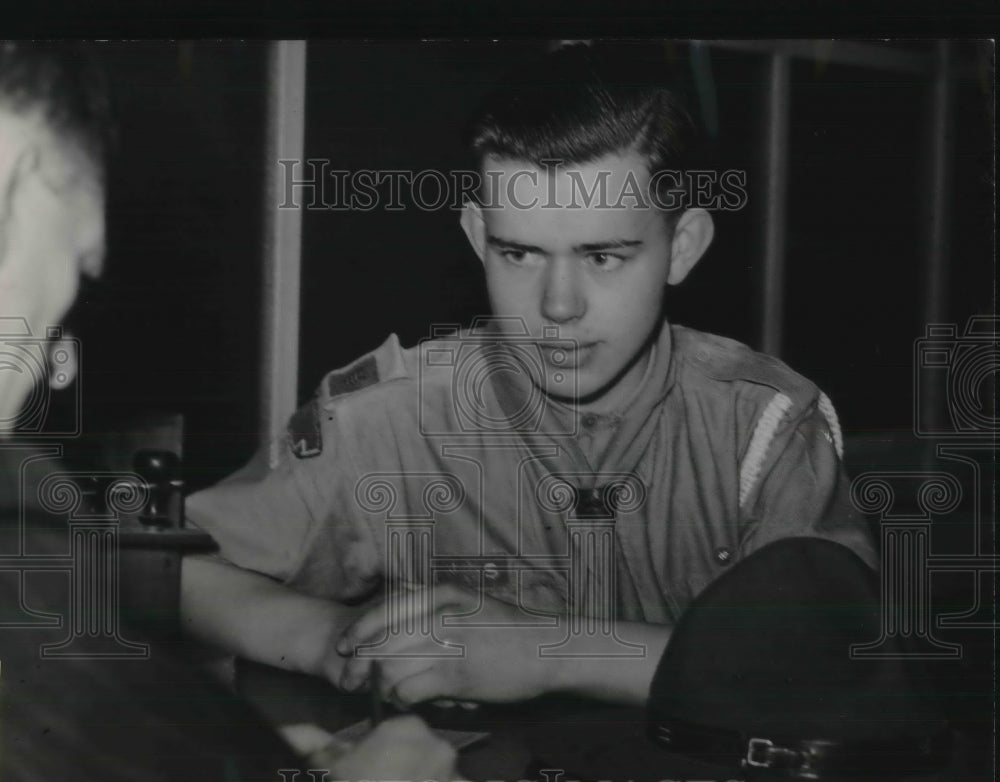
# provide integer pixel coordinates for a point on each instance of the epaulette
(726, 359)
(790, 393)
(354, 377)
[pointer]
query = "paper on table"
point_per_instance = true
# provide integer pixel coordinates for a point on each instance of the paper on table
(308, 738)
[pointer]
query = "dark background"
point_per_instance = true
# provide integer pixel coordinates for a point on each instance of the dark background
(176, 326)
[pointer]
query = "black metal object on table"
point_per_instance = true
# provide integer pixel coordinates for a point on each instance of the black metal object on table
(152, 542)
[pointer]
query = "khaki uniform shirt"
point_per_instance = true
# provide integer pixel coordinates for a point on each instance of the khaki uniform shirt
(719, 451)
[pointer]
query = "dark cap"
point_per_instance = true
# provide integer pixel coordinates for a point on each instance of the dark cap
(760, 673)
(759, 681)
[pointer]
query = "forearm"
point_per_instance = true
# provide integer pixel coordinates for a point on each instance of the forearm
(607, 677)
(260, 619)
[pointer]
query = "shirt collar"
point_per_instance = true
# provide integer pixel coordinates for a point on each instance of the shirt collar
(558, 421)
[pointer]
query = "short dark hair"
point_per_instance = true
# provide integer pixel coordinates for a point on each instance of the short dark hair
(581, 102)
(64, 83)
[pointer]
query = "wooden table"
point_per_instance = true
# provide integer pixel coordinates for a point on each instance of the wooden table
(287, 698)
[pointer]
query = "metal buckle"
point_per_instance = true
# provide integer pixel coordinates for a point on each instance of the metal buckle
(756, 747)
(761, 753)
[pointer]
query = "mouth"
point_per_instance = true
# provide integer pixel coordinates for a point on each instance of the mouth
(567, 356)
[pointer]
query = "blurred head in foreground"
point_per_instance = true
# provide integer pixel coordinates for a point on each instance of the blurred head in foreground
(53, 138)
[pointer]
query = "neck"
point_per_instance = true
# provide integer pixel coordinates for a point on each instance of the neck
(622, 390)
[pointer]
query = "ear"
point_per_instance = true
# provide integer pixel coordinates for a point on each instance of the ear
(693, 234)
(475, 228)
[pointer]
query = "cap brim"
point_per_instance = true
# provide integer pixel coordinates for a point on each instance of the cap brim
(610, 745)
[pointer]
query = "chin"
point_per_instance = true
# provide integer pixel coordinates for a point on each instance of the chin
(581, 391)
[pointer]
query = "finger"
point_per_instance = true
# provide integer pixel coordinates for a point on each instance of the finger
(398, 610)
(355, 673)
(423, 686)
(373, 621)
(399, 669)
(399, 748)
(357, 670)
(405, 727)
(395, 650)
(406, 609)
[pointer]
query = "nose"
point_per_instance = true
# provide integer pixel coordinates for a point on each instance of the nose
(562, 299)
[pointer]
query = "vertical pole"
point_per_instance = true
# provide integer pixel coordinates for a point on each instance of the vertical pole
(937, 217)
(776, 196)
(286, 75)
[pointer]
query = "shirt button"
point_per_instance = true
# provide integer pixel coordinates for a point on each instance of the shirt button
(723, 556)
(589, 421)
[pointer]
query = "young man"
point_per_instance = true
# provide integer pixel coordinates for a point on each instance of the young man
(578, 455)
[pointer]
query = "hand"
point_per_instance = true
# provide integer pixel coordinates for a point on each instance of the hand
(500, 661)
(399, 748)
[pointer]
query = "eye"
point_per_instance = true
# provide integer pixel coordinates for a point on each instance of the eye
(606, 262)
(520, 257)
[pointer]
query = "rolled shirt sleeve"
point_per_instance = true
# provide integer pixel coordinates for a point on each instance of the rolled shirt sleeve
(296, 522)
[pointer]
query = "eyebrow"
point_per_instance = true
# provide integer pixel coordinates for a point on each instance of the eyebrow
(507, 244)
(614, 244)
(587, 247)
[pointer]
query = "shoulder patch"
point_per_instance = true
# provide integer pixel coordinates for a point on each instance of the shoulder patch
(833, 423)
(354, 377)
(305, 433)
(763, 434)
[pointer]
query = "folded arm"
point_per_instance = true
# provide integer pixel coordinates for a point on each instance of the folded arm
(260, 619)
(501, 659)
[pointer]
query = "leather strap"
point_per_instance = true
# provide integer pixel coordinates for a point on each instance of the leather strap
(805, 759)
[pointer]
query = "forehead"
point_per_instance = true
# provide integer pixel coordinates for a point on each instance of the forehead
(596, 201)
